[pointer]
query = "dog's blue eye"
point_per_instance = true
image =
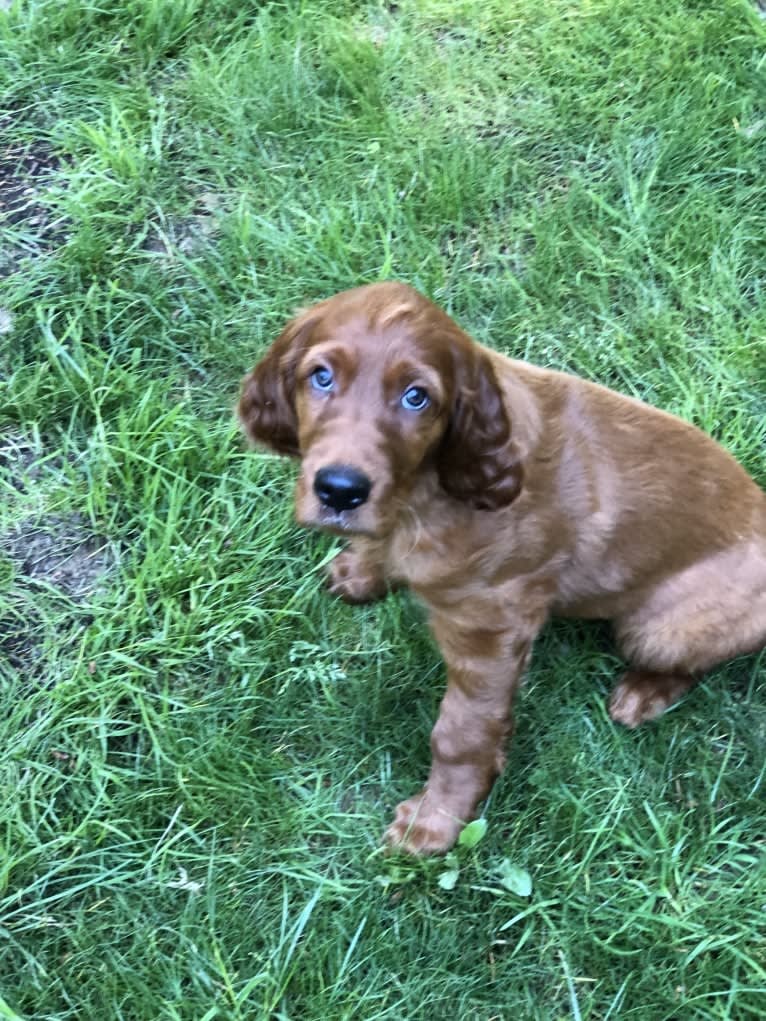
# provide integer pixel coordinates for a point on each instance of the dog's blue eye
(415, 399)
(322, 378)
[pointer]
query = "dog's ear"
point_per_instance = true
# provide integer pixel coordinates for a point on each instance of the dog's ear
(477, 461)
(267, 403)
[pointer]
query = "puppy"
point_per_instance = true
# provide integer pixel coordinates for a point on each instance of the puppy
(503, 494)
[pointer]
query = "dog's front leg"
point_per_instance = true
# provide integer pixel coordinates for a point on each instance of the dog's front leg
(484, 669)
(357, 574)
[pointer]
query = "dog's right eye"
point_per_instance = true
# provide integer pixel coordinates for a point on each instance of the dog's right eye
(415, 399)
(322, 379)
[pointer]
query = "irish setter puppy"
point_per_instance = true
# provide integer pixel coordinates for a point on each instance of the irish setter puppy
(502, 494)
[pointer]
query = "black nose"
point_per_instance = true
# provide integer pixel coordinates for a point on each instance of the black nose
(340, 487)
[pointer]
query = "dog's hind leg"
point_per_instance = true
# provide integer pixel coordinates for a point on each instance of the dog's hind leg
(708, 613)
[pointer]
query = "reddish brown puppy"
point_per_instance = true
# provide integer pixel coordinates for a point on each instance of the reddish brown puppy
(503, 494)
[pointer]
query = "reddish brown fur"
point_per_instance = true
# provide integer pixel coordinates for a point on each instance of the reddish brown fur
(520, 493)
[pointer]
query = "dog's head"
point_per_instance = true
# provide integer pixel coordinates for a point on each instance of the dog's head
(370, 388)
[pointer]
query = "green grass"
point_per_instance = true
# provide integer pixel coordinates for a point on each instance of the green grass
(200, 749)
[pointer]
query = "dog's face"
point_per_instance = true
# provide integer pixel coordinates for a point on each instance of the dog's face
(371, 388)
(371, 406)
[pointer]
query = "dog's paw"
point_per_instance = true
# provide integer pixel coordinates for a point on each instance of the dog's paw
(642, 696)
(421, 827)
(349, 578)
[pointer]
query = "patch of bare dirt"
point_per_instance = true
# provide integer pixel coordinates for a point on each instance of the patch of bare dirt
(25, 171)
(60, 551)
(43, 557)
(19, 461)
(186, 235)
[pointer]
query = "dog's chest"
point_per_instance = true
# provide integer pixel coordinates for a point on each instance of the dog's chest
(425, 555)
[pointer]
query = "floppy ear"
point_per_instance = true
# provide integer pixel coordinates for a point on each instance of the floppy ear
(267, 403)
(477, 460)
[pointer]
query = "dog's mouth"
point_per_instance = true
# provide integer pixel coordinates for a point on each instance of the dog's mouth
(337, 522)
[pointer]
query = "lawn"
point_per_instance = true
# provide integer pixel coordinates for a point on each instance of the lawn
(200, 748)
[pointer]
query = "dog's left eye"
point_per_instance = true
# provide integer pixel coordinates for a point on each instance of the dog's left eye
(415, 399)
(322, 378)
